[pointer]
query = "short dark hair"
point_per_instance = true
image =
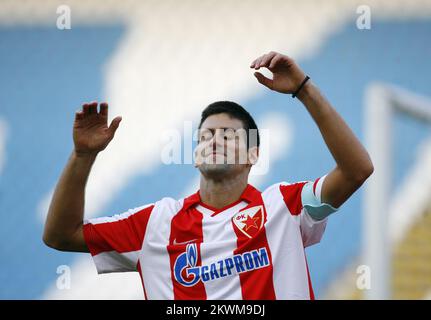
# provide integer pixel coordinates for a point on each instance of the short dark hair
(234, 110)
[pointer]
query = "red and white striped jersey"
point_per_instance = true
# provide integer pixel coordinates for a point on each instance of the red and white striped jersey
(184, 249)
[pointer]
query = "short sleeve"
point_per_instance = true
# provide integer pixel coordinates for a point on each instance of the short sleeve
(304, 201)
(115, 242)
(312, 201)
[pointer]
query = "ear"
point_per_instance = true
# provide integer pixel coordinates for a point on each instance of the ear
(253, 155)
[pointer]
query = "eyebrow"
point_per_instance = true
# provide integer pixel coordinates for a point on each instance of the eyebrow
(213, 129)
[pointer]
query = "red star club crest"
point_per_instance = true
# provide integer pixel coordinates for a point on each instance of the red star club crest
(249, 221)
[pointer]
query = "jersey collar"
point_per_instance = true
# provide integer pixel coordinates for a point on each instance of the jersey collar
(250, 194)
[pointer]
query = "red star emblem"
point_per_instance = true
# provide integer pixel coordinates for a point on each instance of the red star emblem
(250, 223)
(250, 220)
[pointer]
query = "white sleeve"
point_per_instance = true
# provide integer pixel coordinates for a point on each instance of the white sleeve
(314, 213)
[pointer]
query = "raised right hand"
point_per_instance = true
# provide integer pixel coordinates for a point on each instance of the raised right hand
(91, 133)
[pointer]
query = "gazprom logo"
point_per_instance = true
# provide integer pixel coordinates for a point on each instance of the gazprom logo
(187, 273)
(192, 254)
(186, 263)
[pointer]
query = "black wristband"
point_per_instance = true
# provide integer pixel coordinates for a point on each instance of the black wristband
(300, 87)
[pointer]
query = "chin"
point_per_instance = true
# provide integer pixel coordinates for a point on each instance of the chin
(216, 169)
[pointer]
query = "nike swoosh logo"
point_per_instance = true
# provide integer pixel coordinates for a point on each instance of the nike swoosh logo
(184, 242)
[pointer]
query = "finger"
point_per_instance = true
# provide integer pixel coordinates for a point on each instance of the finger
(253, 63)
(274, 62)
(281, 58)
(104, 109)
(267, 59)
(85, 108)
(114, 125)
(92, 107)
(256, 65)
(79, 115)
(263, 80)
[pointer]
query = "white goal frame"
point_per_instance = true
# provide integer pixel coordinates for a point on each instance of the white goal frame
(382, 102)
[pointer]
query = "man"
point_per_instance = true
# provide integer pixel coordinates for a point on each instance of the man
(228, 240)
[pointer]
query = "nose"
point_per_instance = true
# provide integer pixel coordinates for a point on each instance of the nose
(217, 142)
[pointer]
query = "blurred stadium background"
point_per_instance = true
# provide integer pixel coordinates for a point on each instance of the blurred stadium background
(158, 63)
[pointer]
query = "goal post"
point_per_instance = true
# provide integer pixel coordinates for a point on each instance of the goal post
(382, 102)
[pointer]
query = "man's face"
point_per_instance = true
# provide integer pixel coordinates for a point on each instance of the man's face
(222, 147)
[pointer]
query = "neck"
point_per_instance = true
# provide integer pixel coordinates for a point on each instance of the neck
(220, 193)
